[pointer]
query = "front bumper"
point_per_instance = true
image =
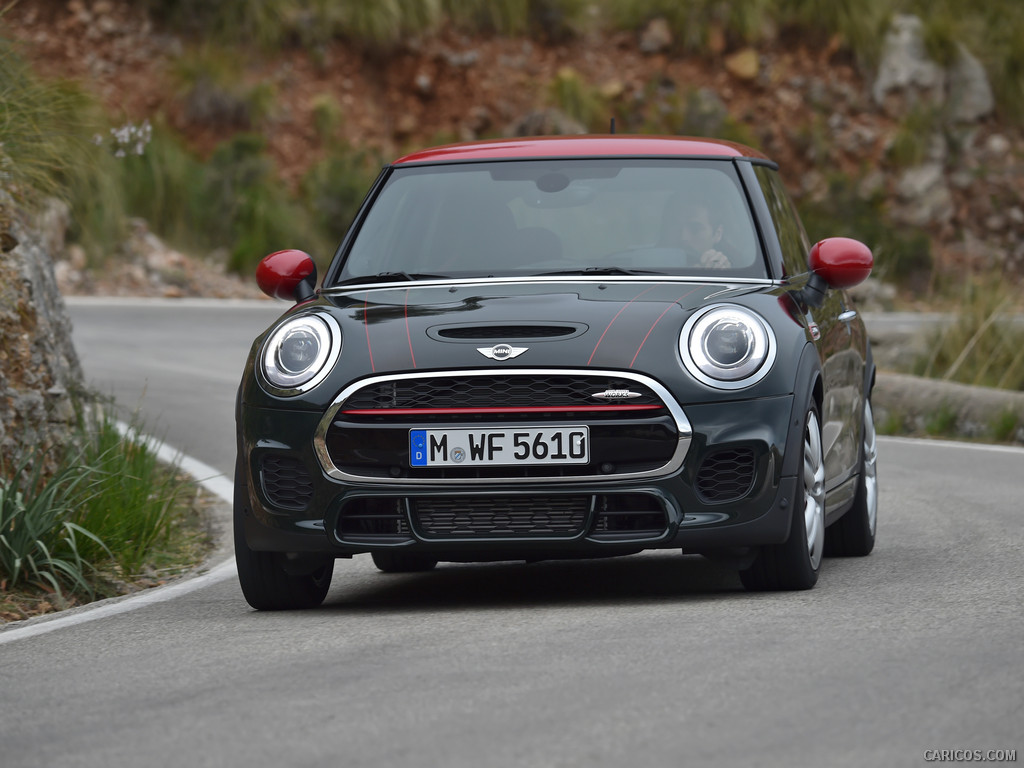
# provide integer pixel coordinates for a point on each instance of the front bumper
(730, 491)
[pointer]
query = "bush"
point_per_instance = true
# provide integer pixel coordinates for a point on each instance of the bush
(109, 511)
(133, 501)
(46, 131)
(902, 254)
(39, 543)
(333, 189)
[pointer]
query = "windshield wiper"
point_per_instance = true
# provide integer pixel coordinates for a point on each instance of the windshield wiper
(603, 271)
(390, 277)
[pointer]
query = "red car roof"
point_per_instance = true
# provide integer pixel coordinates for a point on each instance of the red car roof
(615, 145)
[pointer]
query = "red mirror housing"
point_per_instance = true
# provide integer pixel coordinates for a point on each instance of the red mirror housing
(288, 275)
(841, 262)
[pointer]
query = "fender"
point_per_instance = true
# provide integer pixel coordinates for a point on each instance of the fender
(807, 388)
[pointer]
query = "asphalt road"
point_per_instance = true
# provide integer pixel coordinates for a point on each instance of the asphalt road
(653, 660)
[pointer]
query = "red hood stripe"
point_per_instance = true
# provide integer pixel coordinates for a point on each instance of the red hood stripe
(366, 325)
(408, 335)
(651, 329)
(610, 324)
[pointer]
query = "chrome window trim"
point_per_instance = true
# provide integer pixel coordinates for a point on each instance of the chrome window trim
(683, 427)
(341, 290)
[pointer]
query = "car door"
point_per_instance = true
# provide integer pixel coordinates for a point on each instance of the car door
(836, 332)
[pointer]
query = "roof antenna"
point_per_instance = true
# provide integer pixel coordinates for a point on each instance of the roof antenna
(613, 125)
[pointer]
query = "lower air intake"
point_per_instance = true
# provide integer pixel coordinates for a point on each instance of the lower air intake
(493, 517)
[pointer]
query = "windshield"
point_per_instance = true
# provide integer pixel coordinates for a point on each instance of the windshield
(558, 217)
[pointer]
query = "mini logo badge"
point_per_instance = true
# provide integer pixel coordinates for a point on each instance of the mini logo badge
(501, 351)
(616, 394)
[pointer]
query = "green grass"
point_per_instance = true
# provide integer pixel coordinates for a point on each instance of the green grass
(133, 498)
(109, 513)
(911, 142)
(1004, 426)
(332, 190)
(46, 129)
(570, 93)
(39, 541)
(983, 346)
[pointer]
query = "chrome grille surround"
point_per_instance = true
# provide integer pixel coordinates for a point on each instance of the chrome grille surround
(682, 426)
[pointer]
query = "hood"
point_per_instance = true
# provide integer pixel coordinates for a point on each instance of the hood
(568, 324)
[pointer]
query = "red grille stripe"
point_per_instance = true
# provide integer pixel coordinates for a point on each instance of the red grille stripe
(522, 409)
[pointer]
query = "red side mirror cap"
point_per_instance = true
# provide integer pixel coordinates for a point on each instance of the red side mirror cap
(841, 261)
(281, 274)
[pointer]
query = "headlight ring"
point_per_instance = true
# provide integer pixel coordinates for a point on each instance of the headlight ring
(299, 354)
(727, 346)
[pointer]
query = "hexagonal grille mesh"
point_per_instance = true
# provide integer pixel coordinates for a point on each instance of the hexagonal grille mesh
(286, 482)
(726, 474)
(494, 391)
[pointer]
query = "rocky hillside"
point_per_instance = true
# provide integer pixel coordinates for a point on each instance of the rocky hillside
(39, 369)
(925, 139)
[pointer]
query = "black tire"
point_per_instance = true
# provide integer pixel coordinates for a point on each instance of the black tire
(268, 583)
(794, 564)
(853, 535)
(390, 561)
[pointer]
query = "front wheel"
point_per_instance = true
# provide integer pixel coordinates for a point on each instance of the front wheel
(853, 535)
(795, 563)
(269, 581)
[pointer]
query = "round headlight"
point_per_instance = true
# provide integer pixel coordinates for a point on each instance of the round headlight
(300, 353)
(727, 346)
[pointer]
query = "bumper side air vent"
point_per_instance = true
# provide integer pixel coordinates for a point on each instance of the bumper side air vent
(626, 516)
(286, 482)
(374, 520)
(726, 475)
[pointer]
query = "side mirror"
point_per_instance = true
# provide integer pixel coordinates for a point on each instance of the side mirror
(288, 275)
(836, 262)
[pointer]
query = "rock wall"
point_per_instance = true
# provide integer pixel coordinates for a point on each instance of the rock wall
(40, 374)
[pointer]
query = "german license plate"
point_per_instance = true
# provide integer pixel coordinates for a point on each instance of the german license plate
(498, 447)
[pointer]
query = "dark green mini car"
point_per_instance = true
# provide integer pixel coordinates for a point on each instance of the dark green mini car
(561, 347)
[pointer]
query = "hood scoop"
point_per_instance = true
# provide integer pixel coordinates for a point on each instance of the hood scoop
(506, 331)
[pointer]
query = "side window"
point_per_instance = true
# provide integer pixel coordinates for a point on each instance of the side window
(792, 237)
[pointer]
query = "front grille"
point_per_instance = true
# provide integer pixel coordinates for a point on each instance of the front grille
(500, 516)
(512, 391)
(286, 482)
(726, 475)
(368, 436)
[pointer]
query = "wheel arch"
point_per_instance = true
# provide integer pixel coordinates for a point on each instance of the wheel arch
(808, 387)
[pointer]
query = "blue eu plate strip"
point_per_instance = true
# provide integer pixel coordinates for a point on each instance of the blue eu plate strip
(417, 447)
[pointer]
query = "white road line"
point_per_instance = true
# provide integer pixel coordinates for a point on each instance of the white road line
(940, 443)
(209, 478)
